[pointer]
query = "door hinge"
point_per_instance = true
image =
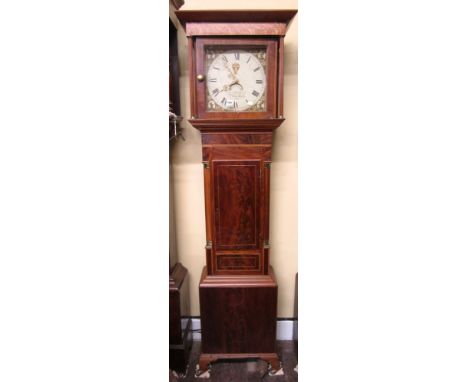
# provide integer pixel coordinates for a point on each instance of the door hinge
(206, 164)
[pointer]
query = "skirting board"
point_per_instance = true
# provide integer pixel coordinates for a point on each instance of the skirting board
(286, 329)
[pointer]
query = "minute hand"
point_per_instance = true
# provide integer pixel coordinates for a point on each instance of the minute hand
(229, 68)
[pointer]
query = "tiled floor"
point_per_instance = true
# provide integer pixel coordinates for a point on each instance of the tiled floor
(245, 371)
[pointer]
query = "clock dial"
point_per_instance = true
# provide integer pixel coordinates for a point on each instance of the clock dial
(235, 80)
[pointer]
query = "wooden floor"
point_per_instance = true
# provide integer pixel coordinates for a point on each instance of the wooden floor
(245, 371)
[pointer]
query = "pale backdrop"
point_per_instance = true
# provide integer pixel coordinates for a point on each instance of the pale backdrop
(188, 236)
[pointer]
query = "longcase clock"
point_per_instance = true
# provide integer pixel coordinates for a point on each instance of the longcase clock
(236, 96)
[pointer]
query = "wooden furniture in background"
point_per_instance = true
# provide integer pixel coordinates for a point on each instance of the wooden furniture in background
(180, 325)
(236, 97)
(180, 334)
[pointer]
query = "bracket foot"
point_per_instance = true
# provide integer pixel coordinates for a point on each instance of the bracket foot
(203, 372)
(275, 369)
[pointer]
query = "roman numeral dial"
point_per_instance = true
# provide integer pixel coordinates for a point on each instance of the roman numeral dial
(236, 79)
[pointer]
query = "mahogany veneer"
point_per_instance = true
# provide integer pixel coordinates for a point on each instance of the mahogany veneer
(237, 179)
(238, 318)
(269, 16)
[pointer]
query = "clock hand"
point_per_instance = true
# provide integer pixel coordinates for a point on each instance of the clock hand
(236, 82)
(226, 65)
(225, 88)
(228, 86)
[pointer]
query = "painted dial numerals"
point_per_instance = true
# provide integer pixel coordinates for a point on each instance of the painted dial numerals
(236, 81)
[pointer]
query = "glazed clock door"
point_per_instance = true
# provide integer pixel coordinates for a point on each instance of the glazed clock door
(238, 200)
(236, 78)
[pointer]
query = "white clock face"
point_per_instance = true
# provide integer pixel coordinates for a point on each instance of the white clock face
(236, 81)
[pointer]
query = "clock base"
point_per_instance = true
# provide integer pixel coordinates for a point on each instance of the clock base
(274, 364)
(238, 318)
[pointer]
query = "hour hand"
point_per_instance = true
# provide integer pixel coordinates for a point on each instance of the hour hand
(235, 82)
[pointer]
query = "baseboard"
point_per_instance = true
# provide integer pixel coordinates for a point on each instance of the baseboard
(286, 329)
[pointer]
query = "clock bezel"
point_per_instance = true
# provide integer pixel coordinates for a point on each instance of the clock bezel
(246, 43)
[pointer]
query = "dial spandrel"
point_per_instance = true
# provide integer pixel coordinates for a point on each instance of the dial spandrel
(235, 79)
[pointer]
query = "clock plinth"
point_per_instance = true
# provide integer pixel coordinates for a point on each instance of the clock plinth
(236, 99)
(238, 318)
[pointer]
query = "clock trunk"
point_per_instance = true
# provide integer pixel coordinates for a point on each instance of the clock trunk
(237, 189)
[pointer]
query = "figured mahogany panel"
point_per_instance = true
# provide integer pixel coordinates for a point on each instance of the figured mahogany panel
(240, 319)
(236, 138)
(239, 152)
(237, 204)
(230, 29)
(236, 262)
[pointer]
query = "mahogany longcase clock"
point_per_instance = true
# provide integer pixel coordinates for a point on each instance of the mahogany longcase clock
(236, 96)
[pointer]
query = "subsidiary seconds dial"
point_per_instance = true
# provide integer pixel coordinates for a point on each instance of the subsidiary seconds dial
(236, 81)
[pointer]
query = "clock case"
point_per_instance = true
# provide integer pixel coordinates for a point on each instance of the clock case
(238, 289)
